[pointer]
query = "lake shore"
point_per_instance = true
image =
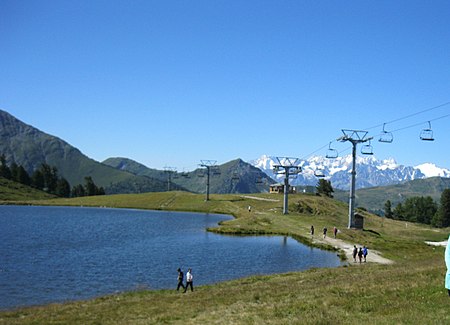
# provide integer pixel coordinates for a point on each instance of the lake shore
(410, 290)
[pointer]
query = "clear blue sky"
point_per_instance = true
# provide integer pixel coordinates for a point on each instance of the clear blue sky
(168, 83)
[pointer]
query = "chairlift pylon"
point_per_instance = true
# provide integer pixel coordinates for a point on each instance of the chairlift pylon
(367, 149)
(427, 134)
(386, 136)
(331, 153)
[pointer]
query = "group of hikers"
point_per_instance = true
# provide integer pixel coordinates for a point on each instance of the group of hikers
(325, 230)
(361, 253)
(189, 280)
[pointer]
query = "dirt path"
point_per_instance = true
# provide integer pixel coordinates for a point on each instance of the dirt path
(437, 243)
(372, 256)
(259, 198)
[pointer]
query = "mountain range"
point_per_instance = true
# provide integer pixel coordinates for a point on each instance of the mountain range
(30, 147)
(370, 171)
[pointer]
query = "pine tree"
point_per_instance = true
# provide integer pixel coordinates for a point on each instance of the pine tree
(388, 209)
(324, 187)
(4, 169)
(63, 187)
(442, 216)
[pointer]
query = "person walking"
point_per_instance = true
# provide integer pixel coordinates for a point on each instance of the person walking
(312, 231)
(355, 252)
(325, 232)
(365, 252)
(447, 263)
(189, 280)
(180, 279)
(360, 255)
(335, 230)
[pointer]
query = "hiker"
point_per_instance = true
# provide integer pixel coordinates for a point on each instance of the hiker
(325, 232)
(355, 252)
(312, 231)
(335, 230)
(360, 255)
(189, 280)
(180, 279)
(365, 251)
(447, 262)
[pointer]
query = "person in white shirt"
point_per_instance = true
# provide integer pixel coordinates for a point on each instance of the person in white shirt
(189, 280)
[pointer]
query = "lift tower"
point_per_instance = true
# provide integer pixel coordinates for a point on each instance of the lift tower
(169, 171)
(354, 137)
(210, 165)
(288, 167)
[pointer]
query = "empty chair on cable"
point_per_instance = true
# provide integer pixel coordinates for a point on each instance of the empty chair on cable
(427, 134)
(319, 172)
(367, 149)
(331, 153)
(386, 136)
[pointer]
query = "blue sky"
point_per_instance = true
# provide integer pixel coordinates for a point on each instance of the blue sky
(169, 83)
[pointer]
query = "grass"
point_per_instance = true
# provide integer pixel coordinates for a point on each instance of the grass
(410, 291)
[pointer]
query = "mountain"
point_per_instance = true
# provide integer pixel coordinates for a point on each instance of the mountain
(374, 198)
(30, 147)
(235, 176)
(370, 171)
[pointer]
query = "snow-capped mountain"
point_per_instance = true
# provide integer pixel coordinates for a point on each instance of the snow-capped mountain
(369, 171)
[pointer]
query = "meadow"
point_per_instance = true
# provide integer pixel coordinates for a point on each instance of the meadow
(408, 291)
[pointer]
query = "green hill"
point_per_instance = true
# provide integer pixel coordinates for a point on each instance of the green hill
(30, 147)
(12, 191)
(374, 198)
(235, 176)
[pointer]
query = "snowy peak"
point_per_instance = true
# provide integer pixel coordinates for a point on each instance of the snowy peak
(431, 170)
(370, 171)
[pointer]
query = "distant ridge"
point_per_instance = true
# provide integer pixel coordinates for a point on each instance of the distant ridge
(369, 170)
(235, 176)
(374, 198)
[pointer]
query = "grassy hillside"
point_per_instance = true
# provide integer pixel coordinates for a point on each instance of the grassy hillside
(30, 147)
(374, 198)
(409, 291)
(11, 191)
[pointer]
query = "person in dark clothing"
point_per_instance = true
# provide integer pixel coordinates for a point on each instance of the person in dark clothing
(189, 280)
(325, 232)
(312, 231)
(360, 254)
(355, 252)
(180, 279)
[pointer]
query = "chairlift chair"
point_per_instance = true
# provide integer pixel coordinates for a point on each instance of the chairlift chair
(185, 175)
(367, 149)
(235, 177)
(331, 153)
(427, 134)
(319, 173)
(386, 136)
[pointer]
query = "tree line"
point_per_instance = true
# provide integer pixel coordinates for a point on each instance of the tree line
(46, 178)
(422, 209)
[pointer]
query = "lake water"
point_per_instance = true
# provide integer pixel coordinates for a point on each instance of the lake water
(57, 254)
